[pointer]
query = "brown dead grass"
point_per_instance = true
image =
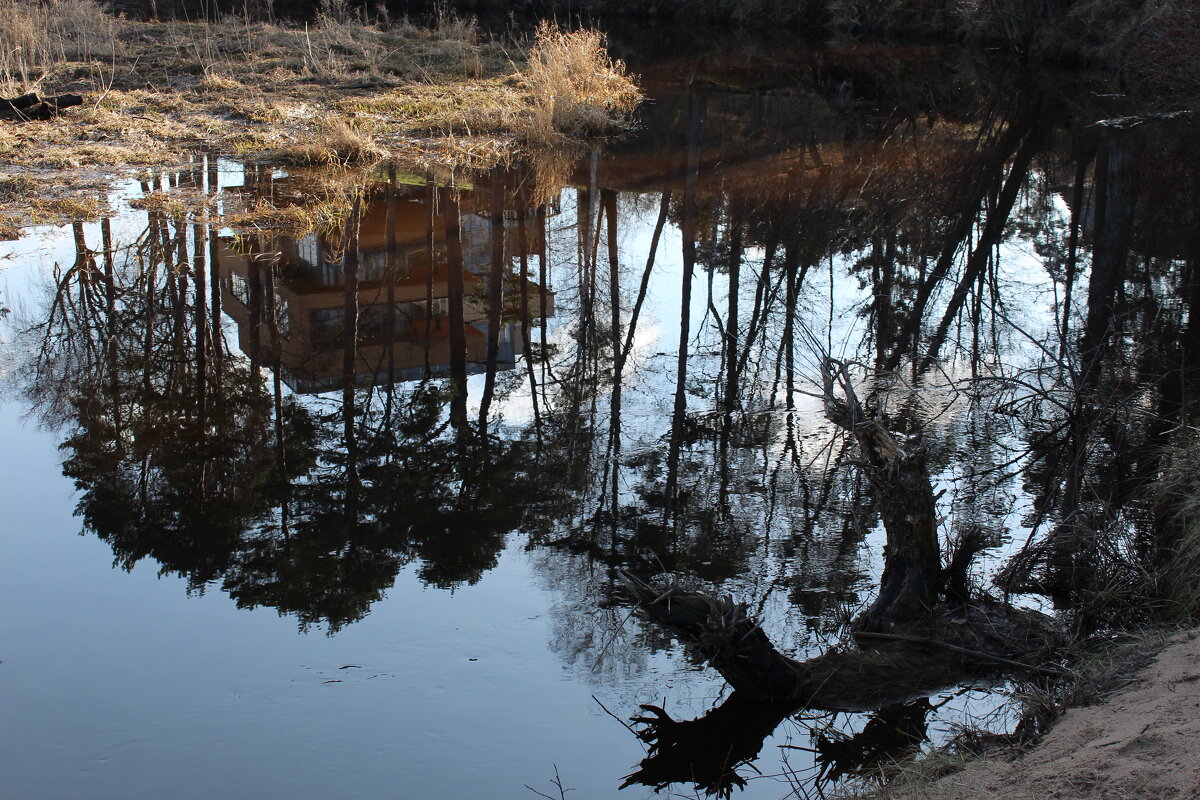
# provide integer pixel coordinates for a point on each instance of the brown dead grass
(576, 88)
(339, 91)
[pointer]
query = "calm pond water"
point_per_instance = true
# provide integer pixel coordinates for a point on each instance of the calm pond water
(342, 514)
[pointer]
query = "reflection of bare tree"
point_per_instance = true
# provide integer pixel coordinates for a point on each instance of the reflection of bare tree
(904, 221)
(183, 454)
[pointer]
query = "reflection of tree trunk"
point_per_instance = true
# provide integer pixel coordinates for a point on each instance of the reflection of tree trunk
(275, 353)
(659, 224)
(911, 580)
(729, 351)
(1116, 196)
(255, 292)
(350, 259)
(543, 282)
(988, 239)
(151, 289)
(431, 270)
(201, 313)
(785, 366)
(586, 212)
(707, 751)
(495, 295)
(847, 679)
(1072, 250)
(393, 266)
(214, 281)
(732, 339)
(986, 176)
(456, 293)
(526, 338)
(609, 200)
(884, 267)
(763, 298)
(688, 231)
(110, 318)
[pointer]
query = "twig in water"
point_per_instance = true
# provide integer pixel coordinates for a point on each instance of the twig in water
(614, 716)
(562, 792)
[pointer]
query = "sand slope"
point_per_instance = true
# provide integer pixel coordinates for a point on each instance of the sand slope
(1142, 742)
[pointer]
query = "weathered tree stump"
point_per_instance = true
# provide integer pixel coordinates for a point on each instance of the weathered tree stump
(30, 106)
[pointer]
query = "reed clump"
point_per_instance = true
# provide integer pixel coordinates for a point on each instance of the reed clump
(1177, 497)
(576, 89)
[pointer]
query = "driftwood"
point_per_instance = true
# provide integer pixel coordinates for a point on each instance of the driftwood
(912, 576)
(30, 106)
(907, 645)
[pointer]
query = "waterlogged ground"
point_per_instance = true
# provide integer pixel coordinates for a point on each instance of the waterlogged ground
(357, 459)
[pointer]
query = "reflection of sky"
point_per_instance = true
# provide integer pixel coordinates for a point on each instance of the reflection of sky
(123, 687)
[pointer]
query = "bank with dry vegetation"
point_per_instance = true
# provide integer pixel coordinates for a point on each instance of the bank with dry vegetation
(342, 89)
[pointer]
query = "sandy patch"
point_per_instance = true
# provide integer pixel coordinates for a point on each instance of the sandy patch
(1142, 742)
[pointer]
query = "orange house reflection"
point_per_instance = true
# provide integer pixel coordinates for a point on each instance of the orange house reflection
(401, 335)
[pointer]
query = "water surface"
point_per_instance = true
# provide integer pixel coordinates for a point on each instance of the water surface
(353, 502)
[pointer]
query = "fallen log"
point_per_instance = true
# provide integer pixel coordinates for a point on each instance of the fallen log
(27, 107)
(985, 638)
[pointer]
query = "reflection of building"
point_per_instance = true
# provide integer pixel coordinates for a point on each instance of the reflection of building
(393, 309)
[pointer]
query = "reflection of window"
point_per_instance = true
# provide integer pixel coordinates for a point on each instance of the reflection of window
(283, 320)
(373, 265)
(308, 250)
(326, 325)
(441, 307)
(375, 324)
(240, 289)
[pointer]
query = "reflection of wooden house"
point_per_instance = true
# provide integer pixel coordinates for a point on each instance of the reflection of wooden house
(398, 330)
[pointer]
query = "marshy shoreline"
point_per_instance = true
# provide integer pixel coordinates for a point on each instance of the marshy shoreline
(336, 92)
(349, 88)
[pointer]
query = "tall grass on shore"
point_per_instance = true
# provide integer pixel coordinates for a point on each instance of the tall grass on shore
(1177, 497)
(35, 38)
(341, 89)
(576, 88)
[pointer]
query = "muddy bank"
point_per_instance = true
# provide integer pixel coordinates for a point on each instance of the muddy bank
(1137, 743)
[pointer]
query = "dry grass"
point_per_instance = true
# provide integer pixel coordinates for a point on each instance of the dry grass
(1177, 496)
(37, 38)
(576, 89)
(333, 141)
(342, 91)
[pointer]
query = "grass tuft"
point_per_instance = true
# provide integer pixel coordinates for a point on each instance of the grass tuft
(576, 88)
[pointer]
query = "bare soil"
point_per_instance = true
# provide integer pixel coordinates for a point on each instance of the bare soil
(1141, 742)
